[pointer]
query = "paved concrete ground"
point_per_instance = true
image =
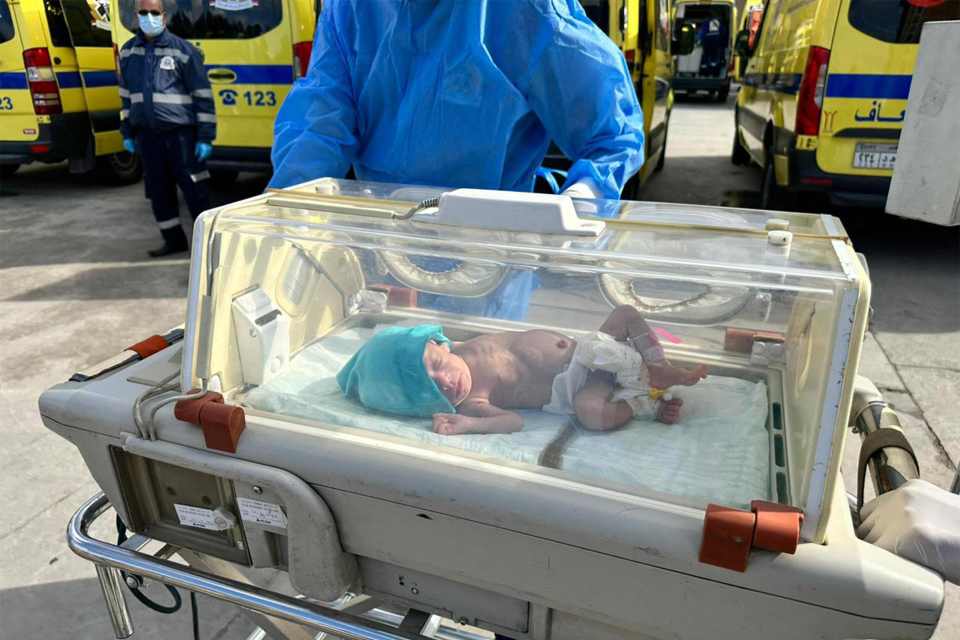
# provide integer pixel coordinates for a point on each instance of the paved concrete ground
(77, 287)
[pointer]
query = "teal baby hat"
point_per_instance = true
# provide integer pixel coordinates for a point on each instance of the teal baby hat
(387, 373)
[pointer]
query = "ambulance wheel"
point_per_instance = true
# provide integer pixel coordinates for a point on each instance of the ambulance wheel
(223, 177)
(120, 168)
(739, 156)
(7, 170)
(663, 152)
(772, 195)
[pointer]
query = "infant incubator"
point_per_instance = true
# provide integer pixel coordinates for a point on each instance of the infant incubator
(232, 442)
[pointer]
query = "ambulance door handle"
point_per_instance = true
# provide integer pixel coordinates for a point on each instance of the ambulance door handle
(222, 75)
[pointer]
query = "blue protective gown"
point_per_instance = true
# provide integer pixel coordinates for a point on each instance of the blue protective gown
(459, 93)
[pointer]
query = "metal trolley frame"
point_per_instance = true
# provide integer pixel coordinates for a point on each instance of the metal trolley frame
(890, 465)
(110, 559)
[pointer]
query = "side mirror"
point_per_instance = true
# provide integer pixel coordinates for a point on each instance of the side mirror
(742, 44)
(685, 40)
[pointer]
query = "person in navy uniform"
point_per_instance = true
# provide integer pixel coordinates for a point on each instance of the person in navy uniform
(168, 118)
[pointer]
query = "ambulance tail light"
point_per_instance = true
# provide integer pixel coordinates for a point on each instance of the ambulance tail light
(301, 58)
(42, 81)
(812, 88)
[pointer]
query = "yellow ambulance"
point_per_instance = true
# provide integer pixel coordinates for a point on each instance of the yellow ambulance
(58, 88)
(707, 67)
(253, 51)
(824, 94)
(643, 31)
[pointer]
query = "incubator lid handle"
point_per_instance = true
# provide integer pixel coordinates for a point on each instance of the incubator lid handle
(511, 211)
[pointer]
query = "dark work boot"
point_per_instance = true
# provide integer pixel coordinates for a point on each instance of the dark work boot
(174, 241)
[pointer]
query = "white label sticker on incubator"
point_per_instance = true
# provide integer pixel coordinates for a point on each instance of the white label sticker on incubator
(197, 517)
(260, 512)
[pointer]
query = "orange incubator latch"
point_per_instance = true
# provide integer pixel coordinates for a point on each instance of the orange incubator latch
(729, 534)
(221, 423)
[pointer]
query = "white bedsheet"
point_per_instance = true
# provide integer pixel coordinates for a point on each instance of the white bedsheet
(718, 451)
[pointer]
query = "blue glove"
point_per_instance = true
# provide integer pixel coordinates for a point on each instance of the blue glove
(129, 145)
(203, 151)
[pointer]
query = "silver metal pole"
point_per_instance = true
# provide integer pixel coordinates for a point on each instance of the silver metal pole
(890, 467)
(339, 624)
(112, 587)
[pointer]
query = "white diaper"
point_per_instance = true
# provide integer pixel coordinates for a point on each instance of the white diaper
(601, 351)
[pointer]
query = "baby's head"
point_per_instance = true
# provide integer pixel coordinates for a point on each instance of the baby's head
(407, 371)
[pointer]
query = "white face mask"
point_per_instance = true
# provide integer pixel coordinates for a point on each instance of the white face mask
(151, 25)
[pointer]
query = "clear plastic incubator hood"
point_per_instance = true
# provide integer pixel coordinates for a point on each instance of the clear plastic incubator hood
(238, 445)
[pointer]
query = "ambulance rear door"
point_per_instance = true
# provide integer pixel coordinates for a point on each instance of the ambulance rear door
(18, 122)
(869, 70)
(88, 24)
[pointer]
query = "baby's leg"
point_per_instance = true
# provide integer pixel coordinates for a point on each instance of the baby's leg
(595, 407)
(626, 322)
(664, 375)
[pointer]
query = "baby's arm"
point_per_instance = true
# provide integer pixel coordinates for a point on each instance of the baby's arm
(477, 416)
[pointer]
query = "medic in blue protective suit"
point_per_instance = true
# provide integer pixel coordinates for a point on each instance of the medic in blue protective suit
(461, 94)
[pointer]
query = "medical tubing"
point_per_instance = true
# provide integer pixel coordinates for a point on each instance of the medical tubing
(429, 203)
(139, 595)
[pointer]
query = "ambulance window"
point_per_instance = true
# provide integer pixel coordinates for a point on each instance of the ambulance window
(214, 20)
(89, 22)
(59, 34)
(6, 22)
(899, 21)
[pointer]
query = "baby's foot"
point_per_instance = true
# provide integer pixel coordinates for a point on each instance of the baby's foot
(664, 376)
(452, 424)
(669, 411)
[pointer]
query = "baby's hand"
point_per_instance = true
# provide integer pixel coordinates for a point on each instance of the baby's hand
(669, 411)
(451, 424)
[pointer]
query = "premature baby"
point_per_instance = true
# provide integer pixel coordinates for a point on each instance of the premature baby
(471, 386)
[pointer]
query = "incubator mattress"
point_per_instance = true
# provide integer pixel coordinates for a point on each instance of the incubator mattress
(718, 452)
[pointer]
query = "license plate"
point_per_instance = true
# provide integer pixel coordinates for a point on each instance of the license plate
(874, 156)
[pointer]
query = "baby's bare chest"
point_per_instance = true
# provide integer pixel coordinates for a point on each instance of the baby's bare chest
(519, 373)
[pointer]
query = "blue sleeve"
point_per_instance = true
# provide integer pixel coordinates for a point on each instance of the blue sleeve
(580, 88)
(126, 129)
(315, 134)
(195, 79)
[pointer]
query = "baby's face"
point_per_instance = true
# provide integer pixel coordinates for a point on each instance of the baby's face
(449, 371)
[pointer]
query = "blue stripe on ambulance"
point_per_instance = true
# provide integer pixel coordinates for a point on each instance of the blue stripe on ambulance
(69, 79)
(258, 73)
(13, 80)
(100, 78)
(857, 85)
